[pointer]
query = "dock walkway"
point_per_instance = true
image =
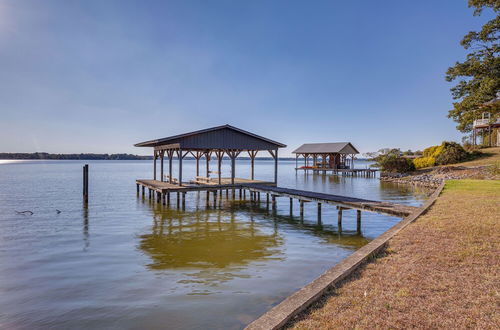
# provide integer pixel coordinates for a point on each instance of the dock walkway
(342, 201)
(255, 187)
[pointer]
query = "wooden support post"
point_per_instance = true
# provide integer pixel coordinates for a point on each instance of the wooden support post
(358, 221)
(178, 200)
(319, 212)
(179, 155)
(183, 200)
(198, 156)
(220, 156)
(163, 195)
(339, 221)
(143, 188)
(274, 201)
(162, 154)
(215, 198)
(208, 154)
(267, 199)
(274, 153)
(86, 183)
(137, 186)
(233, 165)
(208, 199)
(244, 194)
(291, 206)
(168, 199)
(154, 165)
(258, 197)
(170, 154)
(240, 193)
(301, 208)
(158, 197)
(252, 154)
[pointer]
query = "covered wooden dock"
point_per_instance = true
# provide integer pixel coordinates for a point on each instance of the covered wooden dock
(333, 157)
(231, 141)
(217, 141)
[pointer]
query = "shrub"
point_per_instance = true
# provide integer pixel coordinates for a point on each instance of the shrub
(390, 160)
(398, 164)
(422, 162)
(451, 153)
(433, 151)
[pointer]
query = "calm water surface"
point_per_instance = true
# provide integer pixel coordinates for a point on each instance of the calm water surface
(127, 263)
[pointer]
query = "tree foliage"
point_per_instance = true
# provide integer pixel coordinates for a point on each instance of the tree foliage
(479, 75)
(390, 160)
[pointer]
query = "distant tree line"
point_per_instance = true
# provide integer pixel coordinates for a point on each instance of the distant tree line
(45, 155)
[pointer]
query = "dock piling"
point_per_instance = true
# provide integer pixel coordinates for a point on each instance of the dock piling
(86, 183)
(339, 221)
(358, 221)
(319, 212)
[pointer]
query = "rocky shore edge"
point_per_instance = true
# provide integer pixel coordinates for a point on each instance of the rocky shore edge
(433, 177)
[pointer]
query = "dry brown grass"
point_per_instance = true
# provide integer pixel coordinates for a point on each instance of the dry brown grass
(440, 272)
(491, 156)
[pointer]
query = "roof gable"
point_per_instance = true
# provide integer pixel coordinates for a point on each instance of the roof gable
(326, 148)
(220, 137)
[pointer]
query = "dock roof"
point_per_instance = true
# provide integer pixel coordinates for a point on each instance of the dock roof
(219, 137)
(327, 148)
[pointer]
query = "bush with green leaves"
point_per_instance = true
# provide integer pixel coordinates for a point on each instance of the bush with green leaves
(390, 160)
(451, 153)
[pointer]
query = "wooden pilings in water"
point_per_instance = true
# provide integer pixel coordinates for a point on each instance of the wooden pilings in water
(163, 197)
(86, 184)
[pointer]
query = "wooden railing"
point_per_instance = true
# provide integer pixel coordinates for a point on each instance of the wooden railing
(483, 122)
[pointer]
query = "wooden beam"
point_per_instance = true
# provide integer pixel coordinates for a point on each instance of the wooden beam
(167, 146)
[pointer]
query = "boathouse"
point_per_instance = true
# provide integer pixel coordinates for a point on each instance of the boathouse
(326, 156)
(217, 141)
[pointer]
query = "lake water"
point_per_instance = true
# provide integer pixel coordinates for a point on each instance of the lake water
(125, 262)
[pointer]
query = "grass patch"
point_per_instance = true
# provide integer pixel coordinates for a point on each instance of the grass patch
(477, 186)
(488, 156)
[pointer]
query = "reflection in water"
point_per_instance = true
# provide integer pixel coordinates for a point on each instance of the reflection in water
(86, 241)
(218, 245)
(195, 240)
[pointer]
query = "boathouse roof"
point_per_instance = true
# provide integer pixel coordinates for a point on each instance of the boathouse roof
(327, 148)
(221, 137)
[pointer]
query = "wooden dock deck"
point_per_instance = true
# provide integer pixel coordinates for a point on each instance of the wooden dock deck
(213, 184)
(366, 172)
(256, 187)
(341, 201)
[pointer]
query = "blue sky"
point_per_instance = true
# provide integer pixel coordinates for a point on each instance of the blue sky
(99, 76)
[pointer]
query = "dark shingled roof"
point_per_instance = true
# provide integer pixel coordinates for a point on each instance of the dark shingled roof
(326, 148)
(220, 137)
